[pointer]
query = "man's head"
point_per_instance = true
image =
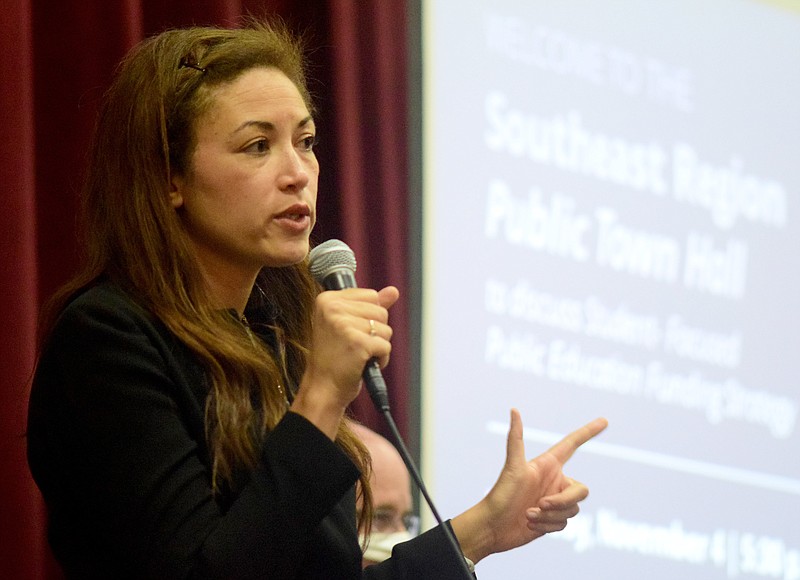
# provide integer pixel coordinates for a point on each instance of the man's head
(391, 494)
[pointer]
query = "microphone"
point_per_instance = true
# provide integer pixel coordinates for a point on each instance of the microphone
(333, 266)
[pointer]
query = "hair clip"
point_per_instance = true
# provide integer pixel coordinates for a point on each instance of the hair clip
(188, 62)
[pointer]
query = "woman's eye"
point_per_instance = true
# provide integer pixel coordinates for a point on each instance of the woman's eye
(258, 147)
(308, 142)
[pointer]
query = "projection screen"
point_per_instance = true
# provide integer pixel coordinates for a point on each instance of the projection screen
(610, 228)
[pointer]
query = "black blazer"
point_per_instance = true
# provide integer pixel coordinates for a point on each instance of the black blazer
(116, 443)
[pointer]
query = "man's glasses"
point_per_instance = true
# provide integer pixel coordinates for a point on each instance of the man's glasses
(385, 521)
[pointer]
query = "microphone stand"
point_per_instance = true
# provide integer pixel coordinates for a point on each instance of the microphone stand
(376, 386)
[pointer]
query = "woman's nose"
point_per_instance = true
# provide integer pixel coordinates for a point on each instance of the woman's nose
(294, 174)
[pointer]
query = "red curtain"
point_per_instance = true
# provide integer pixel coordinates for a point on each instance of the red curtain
(57, 60)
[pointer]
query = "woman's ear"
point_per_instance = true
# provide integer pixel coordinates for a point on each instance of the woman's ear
(176, 186)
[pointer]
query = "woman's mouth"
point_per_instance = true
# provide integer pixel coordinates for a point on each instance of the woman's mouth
(295, 218)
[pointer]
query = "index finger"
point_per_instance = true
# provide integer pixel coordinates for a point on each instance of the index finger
(564, 449)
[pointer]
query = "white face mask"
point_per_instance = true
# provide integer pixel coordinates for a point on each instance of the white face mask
(381, 544)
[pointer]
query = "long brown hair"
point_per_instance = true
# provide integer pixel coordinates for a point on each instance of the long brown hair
(145, 133)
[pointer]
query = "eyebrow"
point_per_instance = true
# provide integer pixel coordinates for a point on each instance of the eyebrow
(267, 126)
(392, 508)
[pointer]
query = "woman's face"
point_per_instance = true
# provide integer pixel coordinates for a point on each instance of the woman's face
(249, 197)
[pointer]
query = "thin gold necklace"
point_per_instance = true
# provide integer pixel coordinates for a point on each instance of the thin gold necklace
(282, 349)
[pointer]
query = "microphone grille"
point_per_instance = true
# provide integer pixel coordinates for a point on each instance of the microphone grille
(330, 256)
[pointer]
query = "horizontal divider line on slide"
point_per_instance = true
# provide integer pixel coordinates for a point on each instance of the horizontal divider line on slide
(670, 462)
